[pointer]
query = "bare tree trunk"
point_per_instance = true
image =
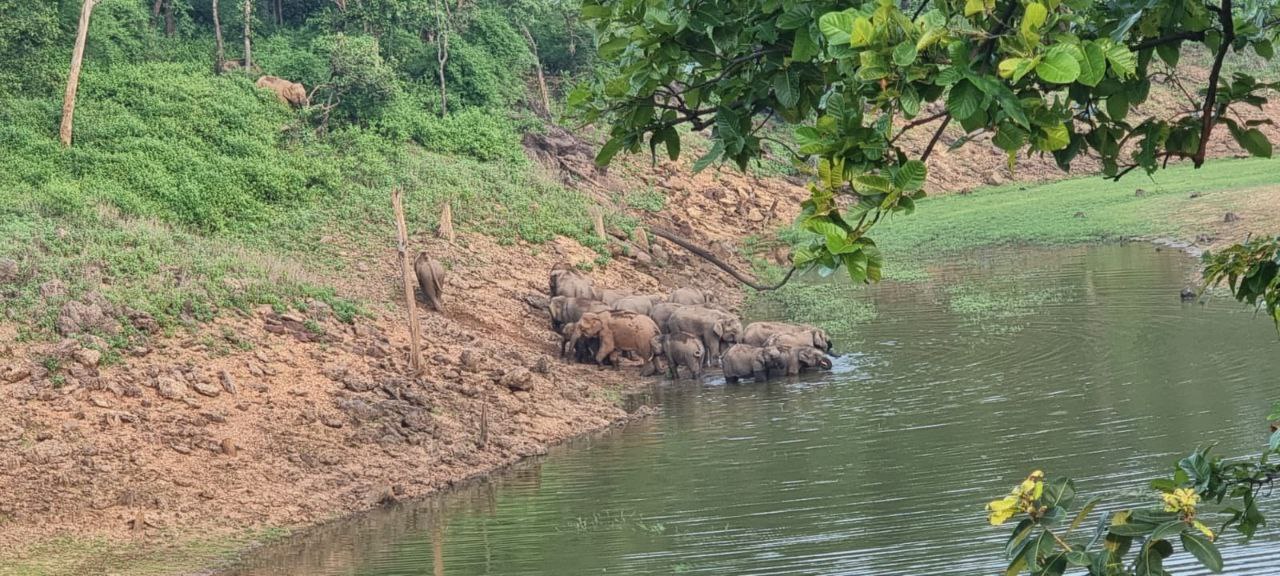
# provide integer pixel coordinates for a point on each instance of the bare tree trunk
(415, 332)
(342, 5)
(248, 33)
(279, 13)
(442, 56)
(73, 79)
(155, 10)
(219, 55)
(445, 229)
(537, 64)
(169, 27)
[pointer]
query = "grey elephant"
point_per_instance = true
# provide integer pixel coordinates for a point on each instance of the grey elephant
(637, 303)
(682, 349)
(576, 345)
(566, 281)
(759, 333)
(431, 279)
(717, 329)
(743, 360)
(566, 309)
(689, 297)
(801, 358)
(661, 312)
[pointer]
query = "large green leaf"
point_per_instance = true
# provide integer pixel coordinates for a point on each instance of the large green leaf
(1203, 549)
(862, 33)
(786, 87)
(1253, 140)
(1032, 20)
(836, 26)
(911, 176)
(1093, 64)
(1058, 66)
(1123, 61)
(964, 99)
(1009, 137)
(1168, 529)
(904, 54)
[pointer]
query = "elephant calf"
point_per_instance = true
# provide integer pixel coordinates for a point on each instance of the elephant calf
(689, 297)
(717, 329)
(576, 345)
(291, 93)
(682, 349)
(430, 279)
(622, 332)
(743, 360)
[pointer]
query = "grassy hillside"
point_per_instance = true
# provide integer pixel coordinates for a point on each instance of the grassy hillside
(187, 193)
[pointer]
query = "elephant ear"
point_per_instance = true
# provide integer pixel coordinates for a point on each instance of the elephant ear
(718, 328)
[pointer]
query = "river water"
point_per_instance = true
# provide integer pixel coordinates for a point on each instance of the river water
(1079, 361)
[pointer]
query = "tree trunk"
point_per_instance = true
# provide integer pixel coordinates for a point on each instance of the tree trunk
(442, 56)
(279, 13)
(169, 27)
(248, 32)
(537, 65)
(73, 79)
(342, 5)
(219, 55)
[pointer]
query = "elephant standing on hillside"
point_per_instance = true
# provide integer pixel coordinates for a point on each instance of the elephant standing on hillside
(566, 309)
(759, 333)
(718, 330)
(661, 313)
(622, 332)
(742, 360)
(639, 304)
(430, 279)
(682, 349)
(291, 93)
(566, 281)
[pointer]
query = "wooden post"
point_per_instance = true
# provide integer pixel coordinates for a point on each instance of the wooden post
(415, 332)
(597, 219)
(445, 230)
(248, 32)
(641, 239)
(73, 79)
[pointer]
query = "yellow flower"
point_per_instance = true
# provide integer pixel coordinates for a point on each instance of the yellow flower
(1182, 500)
(1205, 529)
(1022, 499)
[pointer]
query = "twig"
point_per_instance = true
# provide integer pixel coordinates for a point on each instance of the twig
(709, 257)
(1211, 96)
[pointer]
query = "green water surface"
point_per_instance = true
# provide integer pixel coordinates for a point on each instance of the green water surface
(1079, 361)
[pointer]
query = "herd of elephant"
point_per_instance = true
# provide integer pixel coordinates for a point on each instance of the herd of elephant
(684, 328)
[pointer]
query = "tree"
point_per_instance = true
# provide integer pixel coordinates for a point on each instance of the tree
(73, 79)
(1046, 77)
(442, 53)
(248, 33)
(219, 55)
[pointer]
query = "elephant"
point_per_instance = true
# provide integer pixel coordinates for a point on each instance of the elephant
(681, 349)
(610, 296)
(808, 337)
(566, 309)
(638, 304)
(291, 93)
(622, 332)
(743, 360)
(430, 279)
(799, 358)
(573, 341)
(661, 312)
(758, 334)
(689, 296)
(568, 282)
(717, 329)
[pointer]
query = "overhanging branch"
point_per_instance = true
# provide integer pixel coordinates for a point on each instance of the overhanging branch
(721, 264)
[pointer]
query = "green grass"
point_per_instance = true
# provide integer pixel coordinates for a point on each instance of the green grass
(186, 195)
(1046, 214)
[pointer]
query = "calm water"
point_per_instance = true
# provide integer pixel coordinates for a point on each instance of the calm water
(1082, 362)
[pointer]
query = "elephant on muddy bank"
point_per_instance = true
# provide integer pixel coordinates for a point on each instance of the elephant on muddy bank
(567, 309)
(755, 362)
(565, 281)
(689, 297)
(718, 330)
(681, 349)
(622, 332)
(430, 279)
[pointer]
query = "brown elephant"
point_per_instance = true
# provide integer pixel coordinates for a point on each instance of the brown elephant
(430, 279)
(801, 358)
(291, 93)
(716, 328)
(566, 309)
(689, 297)
(759, 333)
(682, 349)
(569, 282)
(661, 312)
(743, 360)
(622, 332)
